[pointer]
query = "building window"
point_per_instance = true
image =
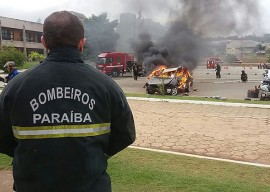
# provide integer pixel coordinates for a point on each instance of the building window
(39, 37)
(30, 37)
(21, 36)
(7, 34)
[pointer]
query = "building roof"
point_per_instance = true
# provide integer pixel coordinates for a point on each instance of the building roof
(242, 43)
(18, 24)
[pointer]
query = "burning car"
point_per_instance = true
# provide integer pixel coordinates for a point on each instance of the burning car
(170, 81)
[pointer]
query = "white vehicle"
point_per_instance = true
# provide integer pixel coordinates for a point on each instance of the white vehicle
(170, 80)
(264, 87)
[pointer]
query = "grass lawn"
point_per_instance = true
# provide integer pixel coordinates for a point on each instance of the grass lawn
(138, 171)
(28, 64)
(145, 171)
(5, 162)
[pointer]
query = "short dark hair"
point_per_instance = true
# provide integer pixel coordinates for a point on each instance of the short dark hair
(62, 28)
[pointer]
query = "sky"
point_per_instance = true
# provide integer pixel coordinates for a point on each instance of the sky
(32, 10)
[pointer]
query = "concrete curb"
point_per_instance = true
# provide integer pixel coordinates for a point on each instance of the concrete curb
(201, 157)
(201, 102)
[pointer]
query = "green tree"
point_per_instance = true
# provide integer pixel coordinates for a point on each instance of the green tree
(11, 54)
(100, 35)
(35, 56)
(259, 47)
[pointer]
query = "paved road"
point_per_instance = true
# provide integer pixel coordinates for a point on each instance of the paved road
(205, 83)
(236, 133)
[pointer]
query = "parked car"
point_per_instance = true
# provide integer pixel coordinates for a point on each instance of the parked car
(170, 81)
(237, 60)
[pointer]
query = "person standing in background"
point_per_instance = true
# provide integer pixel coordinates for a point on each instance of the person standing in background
(12, 71)
(135, 71)
(218, 69)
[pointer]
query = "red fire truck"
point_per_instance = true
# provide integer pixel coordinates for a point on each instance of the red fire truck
(212, 62)
(114, 63)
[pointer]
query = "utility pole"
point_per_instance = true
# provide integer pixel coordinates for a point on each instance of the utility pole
(24, 42)
(241, 48)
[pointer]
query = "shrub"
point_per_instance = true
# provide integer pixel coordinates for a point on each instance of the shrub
(161, 87)
(34, 56)
(11, 54)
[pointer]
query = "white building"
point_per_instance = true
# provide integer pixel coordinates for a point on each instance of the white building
(241, 47)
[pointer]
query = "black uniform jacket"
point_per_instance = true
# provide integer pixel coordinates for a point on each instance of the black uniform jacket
(60, 120)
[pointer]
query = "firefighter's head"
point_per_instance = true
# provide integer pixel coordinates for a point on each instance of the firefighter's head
(63, 28)
(9, 66)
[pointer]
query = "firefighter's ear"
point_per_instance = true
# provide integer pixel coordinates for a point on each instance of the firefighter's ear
(43, 42)
(81, 44)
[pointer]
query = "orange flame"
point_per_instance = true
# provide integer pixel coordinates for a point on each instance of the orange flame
(180, 72)
(185, 77)
(157, 72)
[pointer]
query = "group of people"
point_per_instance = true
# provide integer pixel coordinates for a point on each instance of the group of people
(244, 76)
(262, 66)
(62, 120)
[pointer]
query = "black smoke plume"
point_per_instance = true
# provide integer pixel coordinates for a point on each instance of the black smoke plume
(189, 22)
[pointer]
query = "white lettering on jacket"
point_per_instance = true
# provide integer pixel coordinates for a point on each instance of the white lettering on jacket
(62, 118)
(62, 93)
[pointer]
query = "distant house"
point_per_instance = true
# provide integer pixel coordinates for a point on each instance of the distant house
(23, 35)
(240, 47)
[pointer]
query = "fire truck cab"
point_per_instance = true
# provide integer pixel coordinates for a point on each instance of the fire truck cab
(114, 63)
(212, 62)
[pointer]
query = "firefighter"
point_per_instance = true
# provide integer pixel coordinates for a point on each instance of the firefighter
(12, 71)
(135, 71)
(63, 119)
(244, 76)
(218, 69)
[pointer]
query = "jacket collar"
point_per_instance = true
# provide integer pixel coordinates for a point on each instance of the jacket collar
(64, 54)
